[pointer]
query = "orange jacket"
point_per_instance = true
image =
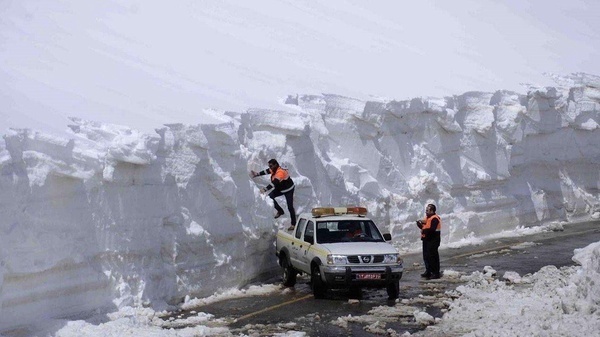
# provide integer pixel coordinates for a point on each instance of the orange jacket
(279, 174)
(427, 232)
(280, 179)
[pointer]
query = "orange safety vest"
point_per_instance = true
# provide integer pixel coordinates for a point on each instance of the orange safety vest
(282, 174)
(427, 224)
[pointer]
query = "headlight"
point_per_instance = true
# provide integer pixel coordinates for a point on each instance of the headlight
(337, 259)
(392, 258)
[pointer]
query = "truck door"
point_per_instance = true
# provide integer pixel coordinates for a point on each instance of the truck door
(297, 242)
(304, 257)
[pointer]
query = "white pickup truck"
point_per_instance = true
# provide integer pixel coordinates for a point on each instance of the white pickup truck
(339, 247)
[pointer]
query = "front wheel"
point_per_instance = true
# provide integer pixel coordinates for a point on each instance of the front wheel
(393, 290)
(289, 273)
(318, 286)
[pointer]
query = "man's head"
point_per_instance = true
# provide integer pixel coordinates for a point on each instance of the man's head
(430, 209)
(273, 164)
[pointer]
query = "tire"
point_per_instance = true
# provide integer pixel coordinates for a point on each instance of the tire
(289, 273)
(318, 286)
(393, 290)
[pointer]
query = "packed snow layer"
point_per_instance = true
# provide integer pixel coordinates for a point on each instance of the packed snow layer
(551, 302)
(114, 218)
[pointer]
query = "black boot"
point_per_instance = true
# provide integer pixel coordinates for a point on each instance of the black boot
(434, 277)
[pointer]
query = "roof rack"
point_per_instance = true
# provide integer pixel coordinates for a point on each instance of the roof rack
(318, 212)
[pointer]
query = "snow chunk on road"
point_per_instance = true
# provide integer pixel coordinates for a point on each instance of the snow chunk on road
(556, 303)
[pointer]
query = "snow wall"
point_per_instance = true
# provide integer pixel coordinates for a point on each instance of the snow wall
(114, 218)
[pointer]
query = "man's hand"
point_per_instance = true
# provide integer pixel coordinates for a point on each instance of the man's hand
(263, 190)
(253, 174)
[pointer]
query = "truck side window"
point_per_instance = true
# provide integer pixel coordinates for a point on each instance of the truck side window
(300, 228)
(310, 229)
(372, 230)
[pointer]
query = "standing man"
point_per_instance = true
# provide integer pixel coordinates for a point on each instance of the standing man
(282, 184)
(431, 236)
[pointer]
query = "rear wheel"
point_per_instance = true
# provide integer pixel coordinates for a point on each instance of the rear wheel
(393, 290)
(289, 273)
(318, 286)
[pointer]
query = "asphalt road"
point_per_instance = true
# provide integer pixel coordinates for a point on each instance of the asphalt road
(345, 313)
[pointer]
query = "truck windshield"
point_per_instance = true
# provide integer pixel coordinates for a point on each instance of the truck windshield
(332, 231)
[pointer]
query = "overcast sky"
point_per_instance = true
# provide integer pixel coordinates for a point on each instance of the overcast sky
(144, 63)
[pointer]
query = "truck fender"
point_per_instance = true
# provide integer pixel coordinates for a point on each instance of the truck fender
(315, 261)
(283, 253)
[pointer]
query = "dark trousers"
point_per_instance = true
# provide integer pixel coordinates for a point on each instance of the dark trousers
(289, 199)
(431, 256)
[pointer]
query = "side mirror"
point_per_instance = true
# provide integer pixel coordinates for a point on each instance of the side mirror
(310, 239)
(387, 237)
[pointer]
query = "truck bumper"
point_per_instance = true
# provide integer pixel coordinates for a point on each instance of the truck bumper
(343, 277)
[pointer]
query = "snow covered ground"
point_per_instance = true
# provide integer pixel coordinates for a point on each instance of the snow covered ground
(551, 302)
(142, 199)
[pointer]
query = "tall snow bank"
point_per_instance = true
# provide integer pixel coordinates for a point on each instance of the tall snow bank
(114, 217)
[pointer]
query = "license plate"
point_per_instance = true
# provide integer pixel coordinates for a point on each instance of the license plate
(368, 276)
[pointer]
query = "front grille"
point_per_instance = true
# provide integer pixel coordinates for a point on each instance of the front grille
(365, 259)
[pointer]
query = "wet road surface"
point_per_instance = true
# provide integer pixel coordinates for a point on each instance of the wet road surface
(370, 313)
